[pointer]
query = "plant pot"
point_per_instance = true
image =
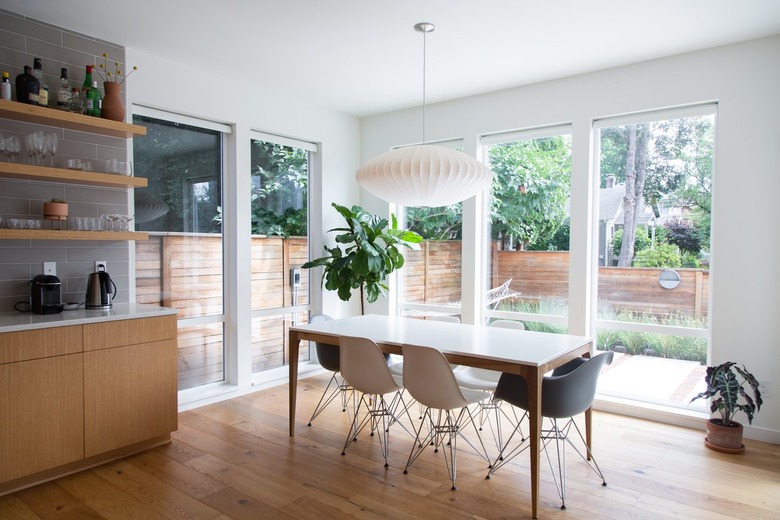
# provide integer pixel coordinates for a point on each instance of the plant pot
(112, 107)
(55, 211)
(726, 439)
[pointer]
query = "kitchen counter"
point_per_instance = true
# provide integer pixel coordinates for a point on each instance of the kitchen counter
(21, 321)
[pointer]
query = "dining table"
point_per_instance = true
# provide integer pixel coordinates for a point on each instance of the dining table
(527, 353)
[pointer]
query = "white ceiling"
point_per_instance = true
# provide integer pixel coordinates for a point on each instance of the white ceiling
(363, 57)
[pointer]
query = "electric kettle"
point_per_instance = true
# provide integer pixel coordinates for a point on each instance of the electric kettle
(101, 290)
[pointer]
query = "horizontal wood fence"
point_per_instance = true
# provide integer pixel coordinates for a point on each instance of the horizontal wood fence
(184, 272)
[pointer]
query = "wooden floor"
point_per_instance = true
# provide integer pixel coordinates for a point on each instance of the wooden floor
(235, 460)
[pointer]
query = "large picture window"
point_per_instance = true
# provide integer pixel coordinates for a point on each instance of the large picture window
(181, 264)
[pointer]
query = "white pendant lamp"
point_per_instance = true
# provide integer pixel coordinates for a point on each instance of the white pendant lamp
(424, 175)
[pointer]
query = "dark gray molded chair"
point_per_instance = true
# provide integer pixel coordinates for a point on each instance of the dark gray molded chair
(328, 356)
(568, 392)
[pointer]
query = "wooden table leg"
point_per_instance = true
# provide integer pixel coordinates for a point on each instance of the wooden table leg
(588, 429)
(535, 433)
(294, 347)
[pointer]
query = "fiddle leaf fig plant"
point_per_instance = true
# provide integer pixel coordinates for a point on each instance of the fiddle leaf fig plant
(725, 385)
(366, 251)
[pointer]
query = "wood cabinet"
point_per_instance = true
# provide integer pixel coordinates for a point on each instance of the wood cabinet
(47, 116)
(76, 396)
(129, 378)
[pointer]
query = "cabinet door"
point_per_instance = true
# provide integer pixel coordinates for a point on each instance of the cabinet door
(129, 395)
(41, 415)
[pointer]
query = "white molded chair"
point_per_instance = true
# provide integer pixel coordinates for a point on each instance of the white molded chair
(487, 380)
(365, 369)
(429, 379)
(568, 392)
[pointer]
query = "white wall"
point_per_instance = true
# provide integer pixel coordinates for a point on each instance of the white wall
(745, 81)
(165, 84)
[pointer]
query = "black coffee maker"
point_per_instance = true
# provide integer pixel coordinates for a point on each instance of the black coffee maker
(45, 294)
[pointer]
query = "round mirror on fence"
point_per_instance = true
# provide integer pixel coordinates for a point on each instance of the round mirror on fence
(669, 278)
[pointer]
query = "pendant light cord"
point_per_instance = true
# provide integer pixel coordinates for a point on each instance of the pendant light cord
(423, 87)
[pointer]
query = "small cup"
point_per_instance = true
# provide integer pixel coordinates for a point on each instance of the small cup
(74, 164)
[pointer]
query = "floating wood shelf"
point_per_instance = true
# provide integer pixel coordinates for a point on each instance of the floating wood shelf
(43, 173)
(53, 117)
(64, 234)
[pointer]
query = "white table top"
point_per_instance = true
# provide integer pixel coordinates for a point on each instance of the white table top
(19, 321)
(506, 345)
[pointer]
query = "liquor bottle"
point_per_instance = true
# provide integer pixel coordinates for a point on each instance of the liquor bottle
(85, 87)
(43, 87)
(27, 87)
(63, 93)
(76, 103)
(5, 87)
(93, 100)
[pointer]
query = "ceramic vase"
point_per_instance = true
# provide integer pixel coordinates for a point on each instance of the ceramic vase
(113, 108)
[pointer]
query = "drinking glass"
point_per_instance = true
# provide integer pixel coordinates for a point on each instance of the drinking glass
(52, 142)
(2, 145)
(12, 147)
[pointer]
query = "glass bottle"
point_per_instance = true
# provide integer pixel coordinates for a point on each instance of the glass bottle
(63, 93)
(27, 87)
(5, 87)
(85, 87)
(76, 103)
(93, 100)
(43, 87)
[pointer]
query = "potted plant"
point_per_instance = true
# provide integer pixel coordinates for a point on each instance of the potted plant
(370, 252)
(55, 209)
(725, 385)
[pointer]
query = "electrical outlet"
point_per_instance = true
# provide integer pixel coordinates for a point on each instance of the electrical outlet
(50, 268)
(765, 387)
(101, 265)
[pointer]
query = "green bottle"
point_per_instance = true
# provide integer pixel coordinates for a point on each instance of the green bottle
(85, 88)
(93, 101)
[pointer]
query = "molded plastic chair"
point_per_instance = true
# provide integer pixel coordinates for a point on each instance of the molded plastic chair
(429, 379)
(487, 380)
(328, 356)
(568, 392)
(364, 367)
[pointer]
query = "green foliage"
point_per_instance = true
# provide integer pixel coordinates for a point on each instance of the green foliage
(725, 385)
(531, 180)
(682, 233)
(279, 189)
(662, 255)
(442, 223)
(366, 252)
(642, 241)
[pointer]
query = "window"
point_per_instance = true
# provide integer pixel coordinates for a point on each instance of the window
(431, 277)
(279, 227)
(653, 252)
(529, 227)
(181, 264)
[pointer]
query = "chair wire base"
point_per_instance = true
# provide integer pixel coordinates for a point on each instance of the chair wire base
(561, 438)
(445, 431)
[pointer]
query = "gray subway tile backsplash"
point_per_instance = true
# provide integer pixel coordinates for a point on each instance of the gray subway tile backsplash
(21, 40)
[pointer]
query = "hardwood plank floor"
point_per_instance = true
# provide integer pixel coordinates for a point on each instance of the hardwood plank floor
(234, 460)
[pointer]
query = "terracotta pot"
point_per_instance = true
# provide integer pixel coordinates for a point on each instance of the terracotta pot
(726, 439)
(55, 210)
(112, 107)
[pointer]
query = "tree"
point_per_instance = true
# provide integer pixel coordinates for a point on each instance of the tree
(442, 223)
(683, 234)
(635, 174)
(371, 252)
(530, 188)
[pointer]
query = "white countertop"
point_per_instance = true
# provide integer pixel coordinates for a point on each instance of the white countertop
(20, 321)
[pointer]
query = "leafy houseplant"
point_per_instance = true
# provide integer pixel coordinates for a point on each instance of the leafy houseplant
(366, 252)
(725, 385)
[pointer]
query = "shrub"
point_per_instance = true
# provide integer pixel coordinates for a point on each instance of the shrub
(662, 255)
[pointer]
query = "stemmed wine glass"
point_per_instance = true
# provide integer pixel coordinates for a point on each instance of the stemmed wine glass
(12, 147)
(29, 140)
(52, 141)
(40, 146)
